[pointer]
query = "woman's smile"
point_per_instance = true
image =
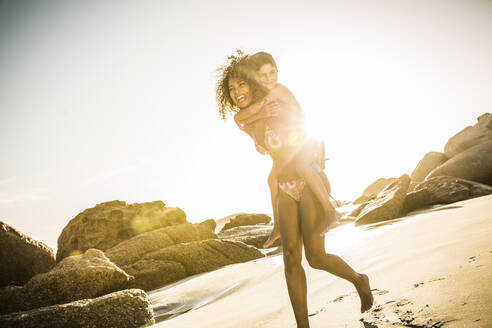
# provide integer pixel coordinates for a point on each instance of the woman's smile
(240, 92)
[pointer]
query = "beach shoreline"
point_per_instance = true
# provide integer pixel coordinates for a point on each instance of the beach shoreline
(428, 269)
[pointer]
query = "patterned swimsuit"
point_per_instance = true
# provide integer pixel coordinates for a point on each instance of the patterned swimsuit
(273, 142)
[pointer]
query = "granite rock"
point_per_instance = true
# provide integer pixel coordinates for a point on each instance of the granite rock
(428, 163)
(133, 249)
(108, 224)
(388, 203)
(254, 235)
(246, 219)
(74, 278)
(473, 164)
(21, 257)
(127, 308)
(182, 260)
(443, 190)
(470, 136)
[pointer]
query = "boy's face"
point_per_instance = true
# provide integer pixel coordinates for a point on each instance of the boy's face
(268, 75)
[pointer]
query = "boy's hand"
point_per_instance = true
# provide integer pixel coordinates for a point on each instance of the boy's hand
(271, 109)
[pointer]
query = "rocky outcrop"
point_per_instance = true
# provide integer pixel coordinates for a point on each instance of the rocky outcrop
(373, 190)
(443, 190)
(377, 186)
(428, 163)
(179, 261)
(473, 164)
(356, 211)
(127, 308)
(132, 250)
(246, 219)
(254, 235)
(21, 257)
(76, 277)
(470, 136)
(108, 224)
(387, 205)
(362, 199)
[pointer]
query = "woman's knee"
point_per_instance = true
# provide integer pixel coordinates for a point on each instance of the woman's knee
(292, 256)
(319, 259)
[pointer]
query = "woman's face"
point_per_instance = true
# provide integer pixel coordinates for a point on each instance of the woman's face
(240, 92)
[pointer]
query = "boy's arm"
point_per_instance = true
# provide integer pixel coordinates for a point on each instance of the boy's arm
(248, 112)
(267, 110)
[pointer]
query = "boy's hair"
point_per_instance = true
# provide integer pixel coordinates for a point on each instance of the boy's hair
(239, 66)
(261, 58)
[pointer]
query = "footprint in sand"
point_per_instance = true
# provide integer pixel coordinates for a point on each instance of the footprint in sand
(432, 280)
(436, 279)
(376, 291)
(339, 298)
(472, 259)
(315, 312)
(401, 313)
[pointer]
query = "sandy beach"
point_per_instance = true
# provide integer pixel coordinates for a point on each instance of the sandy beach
(431, 268)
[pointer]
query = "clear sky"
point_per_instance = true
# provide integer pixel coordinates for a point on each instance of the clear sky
(104, 100)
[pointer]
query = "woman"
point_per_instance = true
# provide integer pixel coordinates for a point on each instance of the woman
(300, 219)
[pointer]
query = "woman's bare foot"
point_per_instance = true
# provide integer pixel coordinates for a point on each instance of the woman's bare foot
(332, 219)
(273, 236)
(365, 294)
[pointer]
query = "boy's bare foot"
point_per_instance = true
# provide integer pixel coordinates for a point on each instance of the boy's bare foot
(365, 294)
(332, 219)
(273, 236)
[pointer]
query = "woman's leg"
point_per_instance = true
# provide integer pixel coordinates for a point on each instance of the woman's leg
(314, 246)
(317, 181)
(290, 234)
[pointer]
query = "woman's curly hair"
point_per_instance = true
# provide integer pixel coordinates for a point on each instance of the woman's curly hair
(239, 66)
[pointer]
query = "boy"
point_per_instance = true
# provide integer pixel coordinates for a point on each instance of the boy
(309, 165)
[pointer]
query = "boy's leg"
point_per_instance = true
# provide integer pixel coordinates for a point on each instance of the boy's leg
(316, 180)
(273, 185)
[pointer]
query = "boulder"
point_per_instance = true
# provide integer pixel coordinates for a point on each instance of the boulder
(127, 308)
(254, 235)
(356, 211)
(387, 205)
(179, 261)
(470, 136)
(133, 249)
(473, 164)
(246, 219)
(21, 257)
(377, 186)
(108, 224)
(362, 199)
(429, 162)
(443, 190)
(74, 278)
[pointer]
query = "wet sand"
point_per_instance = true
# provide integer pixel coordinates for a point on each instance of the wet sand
(432, 268)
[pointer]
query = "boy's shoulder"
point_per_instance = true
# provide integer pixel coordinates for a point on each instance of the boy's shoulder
(281, 89)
